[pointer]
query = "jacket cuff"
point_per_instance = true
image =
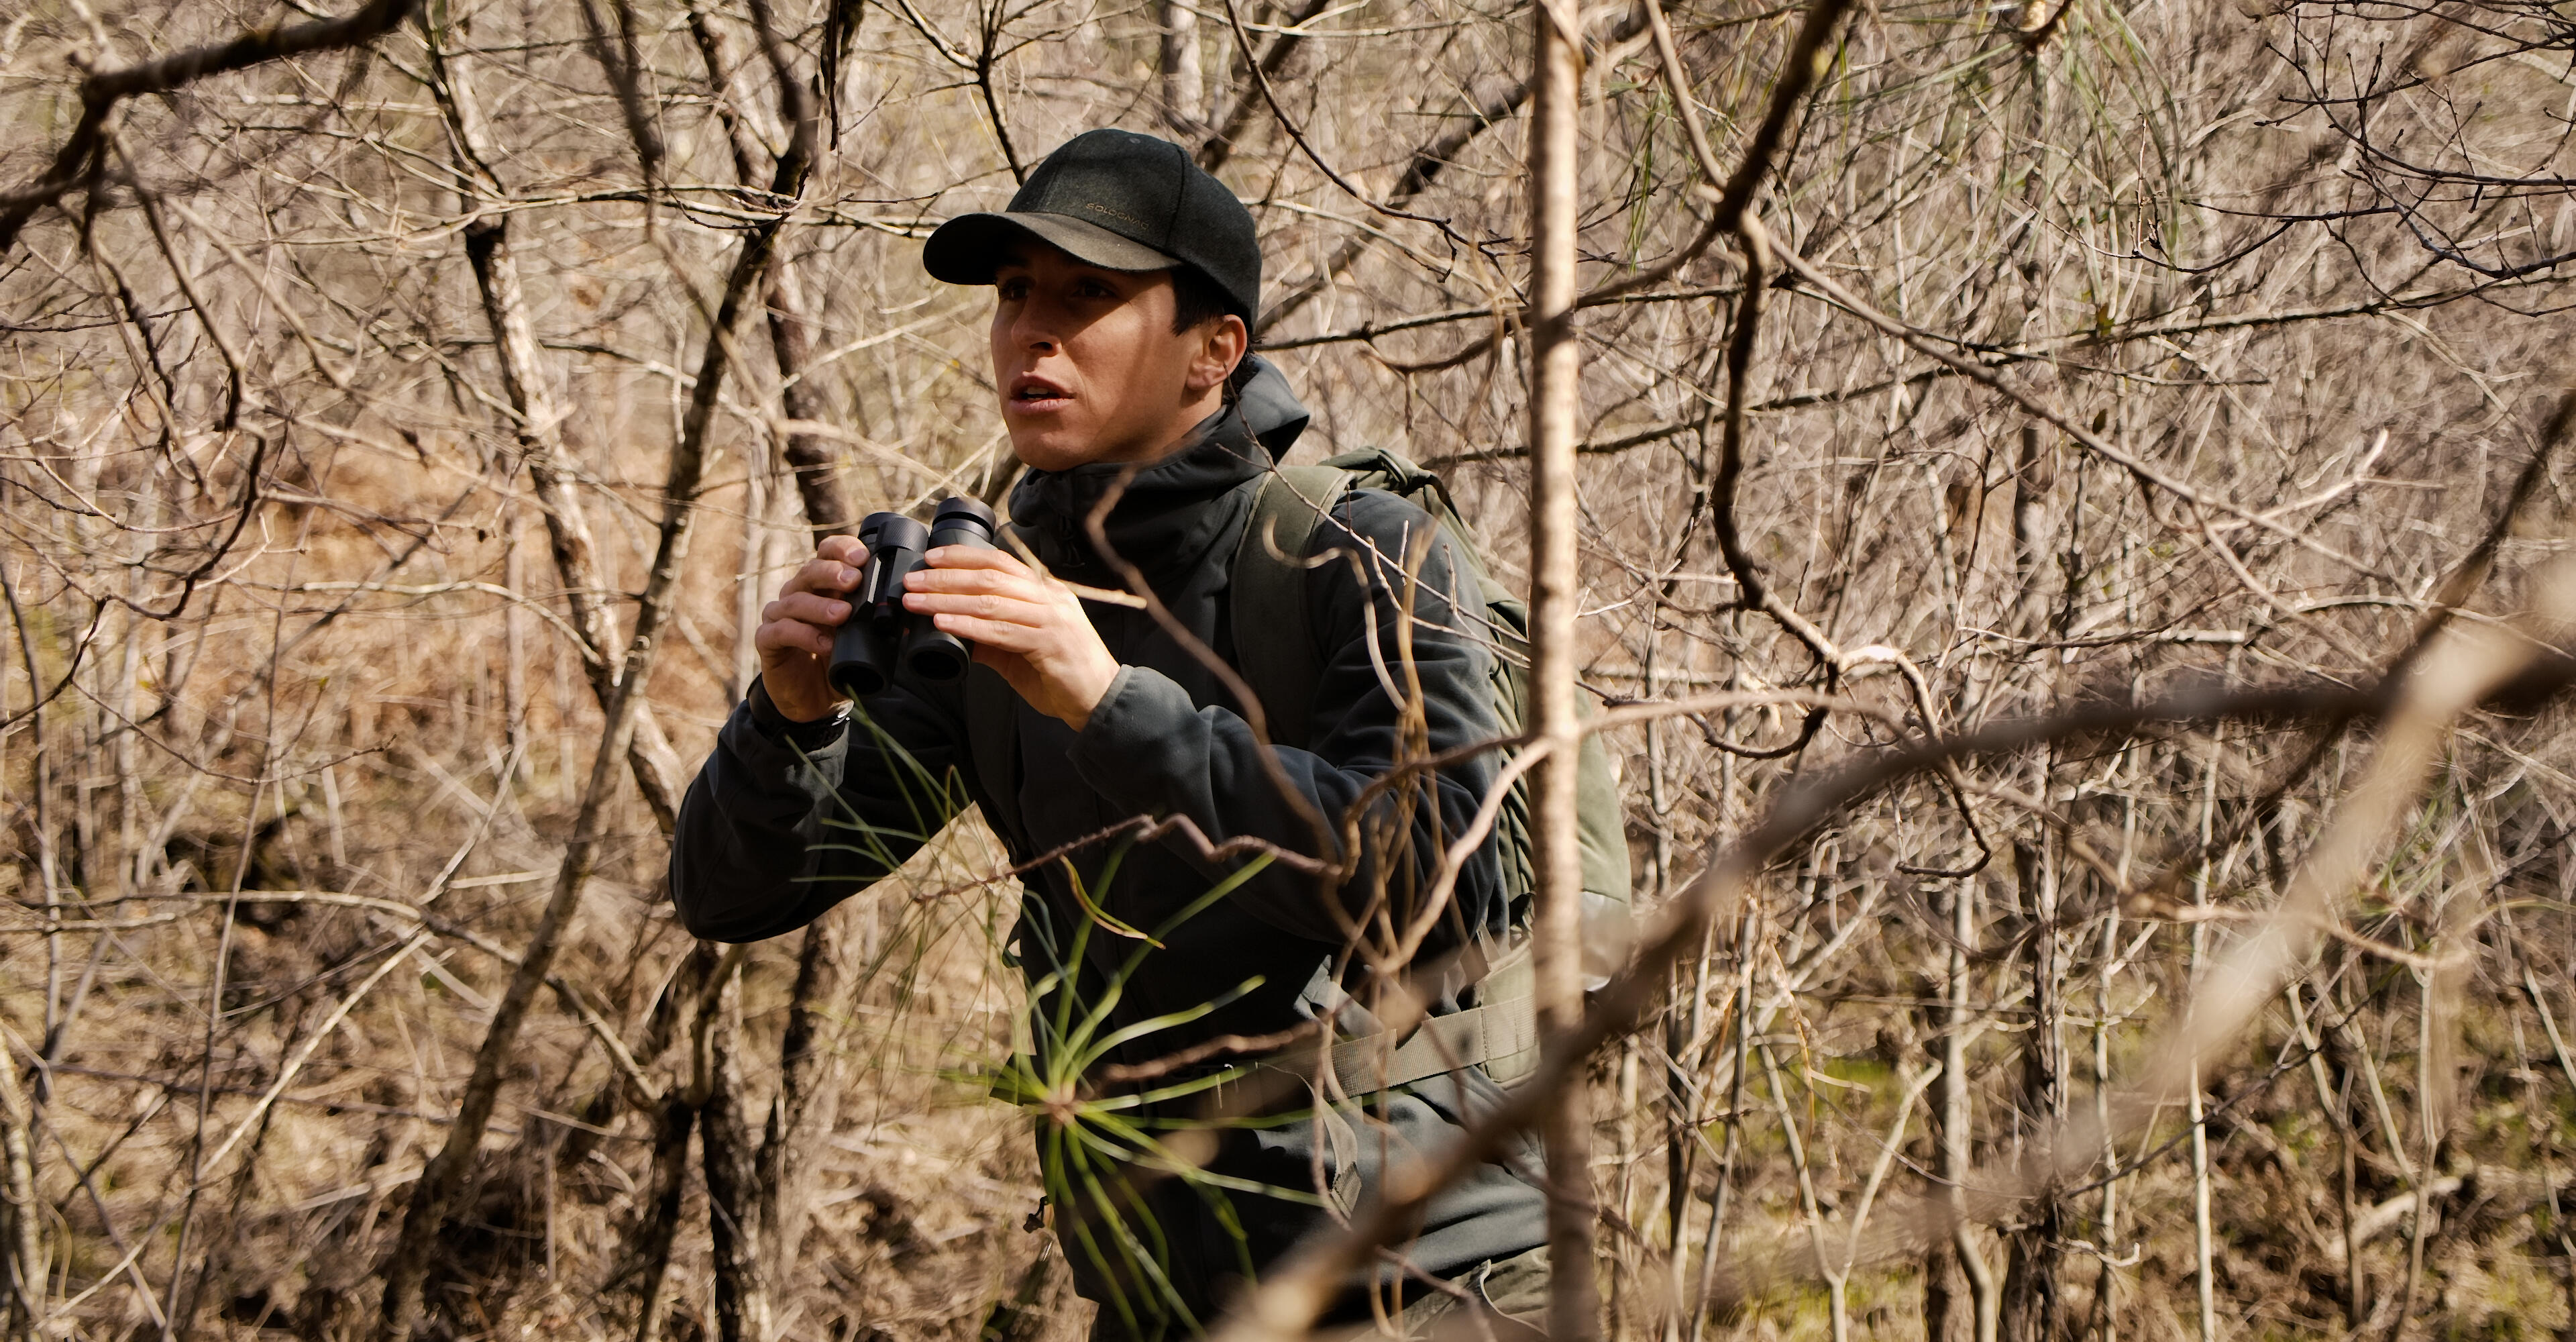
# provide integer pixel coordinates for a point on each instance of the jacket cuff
(778, 727)
(1142, 718)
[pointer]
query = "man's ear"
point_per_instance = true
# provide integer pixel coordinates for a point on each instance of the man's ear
(1222, 344)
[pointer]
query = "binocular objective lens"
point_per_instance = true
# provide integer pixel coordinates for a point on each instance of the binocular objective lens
(932, 661)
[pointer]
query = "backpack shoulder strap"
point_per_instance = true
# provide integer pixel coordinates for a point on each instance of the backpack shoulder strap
(1392, 471)
(1266, 592)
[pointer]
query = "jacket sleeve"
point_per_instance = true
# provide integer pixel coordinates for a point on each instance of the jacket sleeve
(787, 819)
(1149, 749)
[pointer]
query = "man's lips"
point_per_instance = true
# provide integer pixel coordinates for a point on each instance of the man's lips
(1036, 393)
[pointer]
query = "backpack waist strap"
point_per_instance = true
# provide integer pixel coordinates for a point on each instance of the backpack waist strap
(1496, 1032)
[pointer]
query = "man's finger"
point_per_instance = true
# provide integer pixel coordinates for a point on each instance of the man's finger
(821, 574)
(984, 632)
(791, 636)
(974, 577)
(809, 607)
(977, 557)
(1021, 586)
(1005, 607)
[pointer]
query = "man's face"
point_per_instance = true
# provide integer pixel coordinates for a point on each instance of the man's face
(1087, 364)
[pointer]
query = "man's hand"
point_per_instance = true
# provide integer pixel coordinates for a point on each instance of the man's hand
(1030, 628)
(795, 636)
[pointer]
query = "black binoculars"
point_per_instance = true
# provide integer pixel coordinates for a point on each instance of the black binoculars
(880, 634)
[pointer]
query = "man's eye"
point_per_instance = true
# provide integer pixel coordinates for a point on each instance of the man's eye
(1094, 289)
(1013, 291)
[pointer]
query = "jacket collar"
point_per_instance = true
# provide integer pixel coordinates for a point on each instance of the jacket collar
(1161, 522)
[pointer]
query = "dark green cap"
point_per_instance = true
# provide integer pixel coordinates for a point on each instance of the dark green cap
(1117, 200)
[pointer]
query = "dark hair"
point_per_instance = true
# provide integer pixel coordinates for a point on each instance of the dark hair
(1196, 300)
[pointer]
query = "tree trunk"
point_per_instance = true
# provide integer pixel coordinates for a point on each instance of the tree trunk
(2032, 1287)
(809, 1096)
(811, 456)
(1556, 362)
(22, 1248)
(1972, 1313)
(1949, 1294)
(438, 1194)
(658, 1220)
(1184, 88)
(734, 1201)
(538, 423)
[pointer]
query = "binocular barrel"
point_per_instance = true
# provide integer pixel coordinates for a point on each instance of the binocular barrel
(880, 634)
(929, 652)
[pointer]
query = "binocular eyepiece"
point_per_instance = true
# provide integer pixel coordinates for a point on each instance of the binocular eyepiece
(880, 634)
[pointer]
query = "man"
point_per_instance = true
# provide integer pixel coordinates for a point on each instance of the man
(1125, 280)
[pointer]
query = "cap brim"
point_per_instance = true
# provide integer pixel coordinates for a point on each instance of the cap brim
(966, 249)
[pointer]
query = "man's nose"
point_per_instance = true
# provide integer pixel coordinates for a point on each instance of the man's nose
(1035, 328)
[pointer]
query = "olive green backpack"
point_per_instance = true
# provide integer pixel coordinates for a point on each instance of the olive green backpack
(1269, 594)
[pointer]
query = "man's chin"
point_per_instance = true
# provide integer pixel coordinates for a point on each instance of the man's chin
(1061, 447)
(1053, 449)
(1057, 446)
